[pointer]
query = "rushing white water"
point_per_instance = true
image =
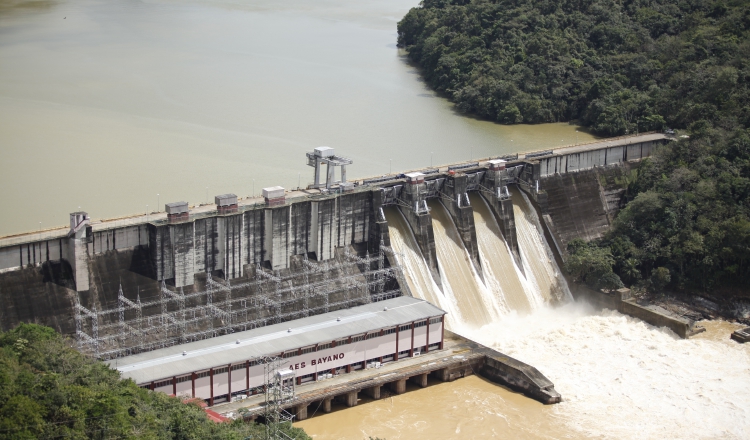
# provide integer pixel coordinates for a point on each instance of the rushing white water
(621, 378)
(417, 274)
(501, 274)
(539, 264)
(476, 305)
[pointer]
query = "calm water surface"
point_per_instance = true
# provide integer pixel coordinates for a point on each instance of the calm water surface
(104, 104)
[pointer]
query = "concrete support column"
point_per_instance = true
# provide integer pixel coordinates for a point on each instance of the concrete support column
(300, 412)
(330, 178)
(373, 392)
(327, 405)
(350, 399)
(420, 380)
(442, 375)
(399, 386)
(463, 216)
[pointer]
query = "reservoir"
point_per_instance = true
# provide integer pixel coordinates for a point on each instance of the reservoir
(105, 104)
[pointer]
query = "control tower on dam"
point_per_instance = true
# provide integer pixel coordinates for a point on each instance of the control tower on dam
(130, 285)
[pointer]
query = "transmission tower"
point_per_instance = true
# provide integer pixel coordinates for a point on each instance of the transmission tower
(280, 389)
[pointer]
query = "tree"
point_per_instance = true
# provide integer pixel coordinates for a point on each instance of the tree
(48, 390)
(660, 278)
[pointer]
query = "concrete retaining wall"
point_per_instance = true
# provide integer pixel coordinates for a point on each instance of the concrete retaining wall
(521, 377)
(622, 301)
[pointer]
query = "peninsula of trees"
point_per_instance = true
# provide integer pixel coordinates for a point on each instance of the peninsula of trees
(619, 67)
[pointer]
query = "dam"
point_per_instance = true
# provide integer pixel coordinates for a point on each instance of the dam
(468, 238)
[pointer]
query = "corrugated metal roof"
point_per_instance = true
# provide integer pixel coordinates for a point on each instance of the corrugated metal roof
(272, 339)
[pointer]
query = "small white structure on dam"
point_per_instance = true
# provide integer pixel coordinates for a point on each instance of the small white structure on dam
(331, 343)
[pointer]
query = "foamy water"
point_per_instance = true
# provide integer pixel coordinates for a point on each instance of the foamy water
(619, 377)
(539, 264)
(622, 378)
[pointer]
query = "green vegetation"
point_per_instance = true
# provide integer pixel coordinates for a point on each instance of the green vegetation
(687, 224)
(50, 391)
(619, 67)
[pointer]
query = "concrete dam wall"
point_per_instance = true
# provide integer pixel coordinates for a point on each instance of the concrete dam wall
(135, 284)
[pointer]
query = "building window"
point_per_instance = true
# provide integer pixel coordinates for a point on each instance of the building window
(290, 354)
(373, 335)
(221, 370)
(184, 379)
(435, 320)
(163, 383)
(404, 328)
(253, 363)
(308, 350)
(390, 331)
(340, 342)
(203, 374)
(358, 338)
(322, 347)
(420, 324)
(403, 353)
(238, 367)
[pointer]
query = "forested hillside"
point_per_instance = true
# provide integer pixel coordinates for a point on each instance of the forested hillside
(619, 67)
(50, 391)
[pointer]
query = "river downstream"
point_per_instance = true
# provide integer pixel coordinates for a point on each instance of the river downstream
(104, 104)
(619, 378)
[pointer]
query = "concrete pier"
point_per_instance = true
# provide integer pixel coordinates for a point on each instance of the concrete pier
(420, 380)
(300, 412)
(462, 213)
(373, 392)
(398, 387)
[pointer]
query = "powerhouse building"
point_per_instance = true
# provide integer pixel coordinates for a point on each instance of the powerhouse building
(331, 343)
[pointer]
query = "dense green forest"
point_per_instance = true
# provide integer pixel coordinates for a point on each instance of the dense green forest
(50, 391)
(619, 67)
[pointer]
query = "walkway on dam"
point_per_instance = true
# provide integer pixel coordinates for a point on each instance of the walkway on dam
(456, 351)
(604, 143)
(113, 223)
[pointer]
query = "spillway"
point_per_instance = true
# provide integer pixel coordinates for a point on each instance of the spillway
(539, 264)
(509, 287)
(471, 301)
(476, 304)
(416, 273)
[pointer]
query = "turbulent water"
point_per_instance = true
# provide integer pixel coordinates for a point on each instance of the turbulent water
(538, 262)
(458, 277)
(505, 288)
(510, 288)
(619, 377)
(416, 273)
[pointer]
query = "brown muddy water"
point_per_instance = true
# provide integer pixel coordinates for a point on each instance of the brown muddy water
(620, 379)
(105, 104)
